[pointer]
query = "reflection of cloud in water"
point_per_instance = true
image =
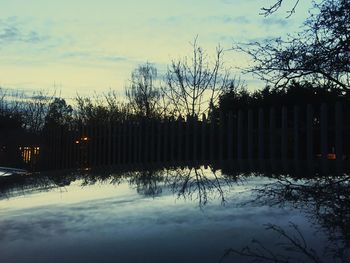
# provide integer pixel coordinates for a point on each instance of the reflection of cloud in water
(108, 223)
(151, 222)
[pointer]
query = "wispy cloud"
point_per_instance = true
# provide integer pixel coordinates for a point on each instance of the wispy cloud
(237, 20)
(276, 21)
(12, 30)
(93, 56)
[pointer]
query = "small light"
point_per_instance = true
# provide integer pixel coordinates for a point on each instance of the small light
(77, 142)
(85, 139)
(331, 156)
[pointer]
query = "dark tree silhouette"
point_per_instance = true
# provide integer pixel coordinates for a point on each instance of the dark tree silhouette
(320, 53)
(295, 93)
(100, 109)
(59, 113)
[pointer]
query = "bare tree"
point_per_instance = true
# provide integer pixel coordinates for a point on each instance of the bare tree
(143, 93)
(320, 53)
(276, 5)
(10, 111)
(194, 84)
(35, 109)
(30, 110)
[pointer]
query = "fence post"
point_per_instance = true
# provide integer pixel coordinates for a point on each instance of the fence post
(339, 136)
(65, 148)
(250, 134)
(165, 140)
(324, 135)
(194, 138)
(131, 141)
(160, 136)
(119, 142)
(76, 147)
(125, 141)
(140, 139)
(104, 144)
(261, 134)
(296, 134)
(204, 143)
(54, 149)
(221, 136)
(172, 140)
(114, 143)
(83, 146)
(284, 135)
(212, 140)
(240, 135)
(88, 133)
(272, 135)
(188, 138)
(230, 136)
(152, 141)
(145, 141)
(180, 140)
(59, 141)
(136, 137)
(93, 145)
(309, 136)
(109, 142)
(48, 149)
(100, 144)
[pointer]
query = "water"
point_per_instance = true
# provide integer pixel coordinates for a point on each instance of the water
(176, 215)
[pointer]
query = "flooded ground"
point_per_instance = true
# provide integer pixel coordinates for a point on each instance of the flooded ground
(173, 215)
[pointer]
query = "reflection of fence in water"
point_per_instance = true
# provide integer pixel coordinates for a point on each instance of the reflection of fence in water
(285, 134)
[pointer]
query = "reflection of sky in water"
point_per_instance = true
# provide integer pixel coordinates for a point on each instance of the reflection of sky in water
(113, 223)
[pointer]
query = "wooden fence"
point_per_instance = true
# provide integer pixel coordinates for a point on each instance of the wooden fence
(302, 133)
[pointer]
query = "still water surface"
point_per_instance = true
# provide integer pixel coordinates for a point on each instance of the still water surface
(177, 215)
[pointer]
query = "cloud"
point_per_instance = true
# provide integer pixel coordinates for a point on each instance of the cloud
(275, 21)
(93, 56)
(114, 58)
(244, 20)
(236, 20)
(12, 30)
(228, 19)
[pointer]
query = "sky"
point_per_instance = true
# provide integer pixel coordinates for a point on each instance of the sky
(87, 47)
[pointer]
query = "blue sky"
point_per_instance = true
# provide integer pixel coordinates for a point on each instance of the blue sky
(79, 46)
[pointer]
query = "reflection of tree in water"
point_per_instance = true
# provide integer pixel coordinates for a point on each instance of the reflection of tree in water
(193, 183)
(199, 184)
(17, 185)
(147, 182)
(325, 199)
(294, 243)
